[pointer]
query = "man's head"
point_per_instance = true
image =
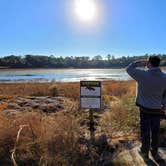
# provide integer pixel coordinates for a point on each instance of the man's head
(153, 61)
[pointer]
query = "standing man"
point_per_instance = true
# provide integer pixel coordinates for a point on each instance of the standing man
(151, 99)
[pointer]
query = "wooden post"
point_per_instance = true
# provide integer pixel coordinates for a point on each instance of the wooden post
(91, 126)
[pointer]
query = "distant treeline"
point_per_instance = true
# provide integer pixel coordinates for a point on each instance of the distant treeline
(38, 61)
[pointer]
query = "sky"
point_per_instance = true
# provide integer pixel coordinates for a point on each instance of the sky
(50, 27)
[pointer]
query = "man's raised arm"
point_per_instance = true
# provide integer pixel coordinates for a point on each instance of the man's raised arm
(135, 73)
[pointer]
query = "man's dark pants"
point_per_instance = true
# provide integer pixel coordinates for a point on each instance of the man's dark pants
(150, 128)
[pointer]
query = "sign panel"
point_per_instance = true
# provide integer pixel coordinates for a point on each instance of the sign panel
(90, 94)
(90, 91)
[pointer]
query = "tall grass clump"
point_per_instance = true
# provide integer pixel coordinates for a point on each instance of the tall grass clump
(118, 88)
(53, 90)
(44, 140)
(123, 116)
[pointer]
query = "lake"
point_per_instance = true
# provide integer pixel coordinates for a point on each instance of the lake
(61, 75)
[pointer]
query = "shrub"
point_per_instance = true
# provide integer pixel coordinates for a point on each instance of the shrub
(53, 90)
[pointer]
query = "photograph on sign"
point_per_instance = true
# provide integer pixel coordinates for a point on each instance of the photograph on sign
(90, 91)
(90, 103)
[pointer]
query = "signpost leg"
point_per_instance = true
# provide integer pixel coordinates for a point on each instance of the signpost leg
(91, 127)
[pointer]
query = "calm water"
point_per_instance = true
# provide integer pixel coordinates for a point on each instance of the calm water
(61, 75)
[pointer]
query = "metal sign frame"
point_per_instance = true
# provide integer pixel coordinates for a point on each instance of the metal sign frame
(90, 85)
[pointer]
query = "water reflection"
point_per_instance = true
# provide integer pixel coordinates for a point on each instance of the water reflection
(61, 75)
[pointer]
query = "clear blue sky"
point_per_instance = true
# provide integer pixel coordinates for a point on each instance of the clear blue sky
(45, 27)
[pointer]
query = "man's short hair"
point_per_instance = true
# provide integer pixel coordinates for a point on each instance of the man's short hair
(154, 61)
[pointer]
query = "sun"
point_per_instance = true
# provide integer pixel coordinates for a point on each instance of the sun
(85, 10)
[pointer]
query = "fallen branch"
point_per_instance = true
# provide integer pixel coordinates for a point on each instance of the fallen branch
(15, 145)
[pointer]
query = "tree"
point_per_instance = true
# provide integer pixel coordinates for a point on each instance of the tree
(109, 57)
(97, 58)
(40, 61)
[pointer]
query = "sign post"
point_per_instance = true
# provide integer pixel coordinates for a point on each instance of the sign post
(90, 98)
(91, 126)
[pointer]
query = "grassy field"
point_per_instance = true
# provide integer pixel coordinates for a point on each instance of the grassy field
(38, 138)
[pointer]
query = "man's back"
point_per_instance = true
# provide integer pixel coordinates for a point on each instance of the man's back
(151, 86)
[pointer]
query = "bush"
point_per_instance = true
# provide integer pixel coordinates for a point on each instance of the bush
(53, 90)
(122, 116)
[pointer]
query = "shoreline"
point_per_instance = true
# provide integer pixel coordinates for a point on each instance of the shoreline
(40, 68)
(54, 81)
(65, 83)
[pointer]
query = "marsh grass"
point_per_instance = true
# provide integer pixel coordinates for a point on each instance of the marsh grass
(45, 139)
(62, 139)
(70, 90)
(121, 117)
(122, 114)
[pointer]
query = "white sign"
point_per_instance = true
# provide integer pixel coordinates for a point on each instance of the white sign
(90, 94)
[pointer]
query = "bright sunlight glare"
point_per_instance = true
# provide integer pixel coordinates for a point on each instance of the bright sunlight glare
(85, 10)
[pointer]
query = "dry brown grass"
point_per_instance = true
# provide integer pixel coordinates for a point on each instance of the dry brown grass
(122, 116)
(50, 140)
(40, 89)
(113, 88)
(118, 88)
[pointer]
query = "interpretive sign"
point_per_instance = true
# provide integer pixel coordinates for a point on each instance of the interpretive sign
(90, 94)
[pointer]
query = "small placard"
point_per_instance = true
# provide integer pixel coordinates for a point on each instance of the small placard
(90, 94)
